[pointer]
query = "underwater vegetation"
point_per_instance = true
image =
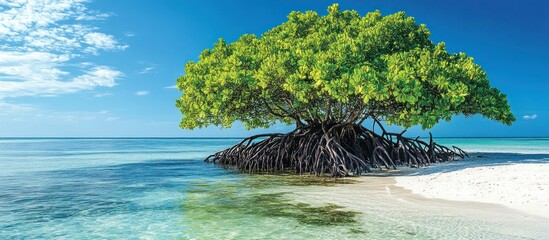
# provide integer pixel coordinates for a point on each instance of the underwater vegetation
(259, 199)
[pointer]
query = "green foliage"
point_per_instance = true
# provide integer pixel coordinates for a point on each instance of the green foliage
(338, 68)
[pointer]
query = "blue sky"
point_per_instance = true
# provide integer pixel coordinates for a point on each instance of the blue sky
(108, 68)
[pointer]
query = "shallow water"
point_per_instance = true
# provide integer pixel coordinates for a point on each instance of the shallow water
(499, 145)
(161, 189)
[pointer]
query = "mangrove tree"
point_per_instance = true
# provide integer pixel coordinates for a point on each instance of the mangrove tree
(327, 75)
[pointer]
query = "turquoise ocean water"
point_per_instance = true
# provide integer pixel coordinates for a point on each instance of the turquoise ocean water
(162, 189)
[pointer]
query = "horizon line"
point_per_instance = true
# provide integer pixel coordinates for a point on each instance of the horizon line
(208, 137)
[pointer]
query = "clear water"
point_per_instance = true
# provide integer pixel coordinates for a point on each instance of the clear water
(161, 189)
(500, 145)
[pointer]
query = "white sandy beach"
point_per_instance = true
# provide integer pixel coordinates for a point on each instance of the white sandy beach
(522, 185)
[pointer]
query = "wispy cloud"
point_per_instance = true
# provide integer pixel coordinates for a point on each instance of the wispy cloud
(142, 93)
(146, 70)
(99, 95)
(171, 87)
(129, 34)
(38, 41)
(9, 108)
(20, 112)
(100, 41)
(50, 83)
(530, 117)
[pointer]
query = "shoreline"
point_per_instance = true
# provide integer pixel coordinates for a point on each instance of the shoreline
(385, 207)
(388, 204)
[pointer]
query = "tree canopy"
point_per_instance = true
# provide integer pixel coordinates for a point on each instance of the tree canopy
(337, 68)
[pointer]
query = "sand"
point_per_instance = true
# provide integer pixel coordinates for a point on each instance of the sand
(522, 185)
(496, 196)
(388, 211)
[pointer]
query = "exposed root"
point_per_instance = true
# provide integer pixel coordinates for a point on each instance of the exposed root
(339, 150)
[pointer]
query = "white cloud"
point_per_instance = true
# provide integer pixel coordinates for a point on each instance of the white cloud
(51, 84)
(171, 87)
(39, 39)
(129, 34)
(99, 76)
(31, 66)
(20, 113)
(8, 108)
(52, 25)
(103, 41)
(94, 16)
(146, 70)
(142, 93)
(99, 95)
(530, 117)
